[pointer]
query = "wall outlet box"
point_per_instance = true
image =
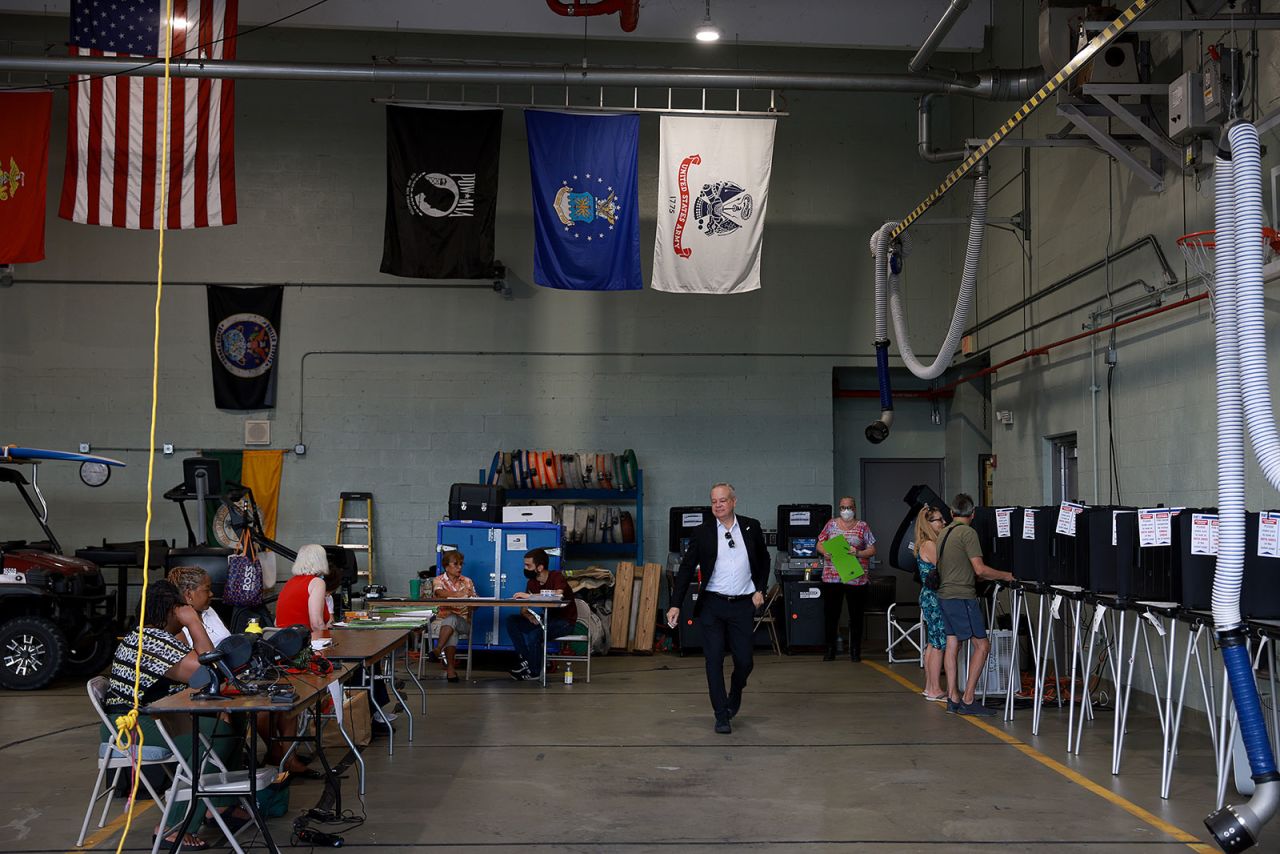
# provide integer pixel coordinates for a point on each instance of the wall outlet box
(167, 449)
(257, 432)
(84, 447)
(1004, 416)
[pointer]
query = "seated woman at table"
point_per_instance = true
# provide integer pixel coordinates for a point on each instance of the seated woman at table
(167, 665)
(196, 588)
(302, 601)
(455, 622)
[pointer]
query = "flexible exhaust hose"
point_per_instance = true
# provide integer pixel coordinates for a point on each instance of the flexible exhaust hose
(1251, 317)
(964, 302)
(1242, 393)
(1228, 578)
(877, 431)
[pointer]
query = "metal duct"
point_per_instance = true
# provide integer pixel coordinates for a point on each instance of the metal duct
(992, 84)
(920, 61)
(923, 143)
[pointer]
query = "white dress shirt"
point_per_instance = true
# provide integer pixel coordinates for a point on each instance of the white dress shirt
(732, 574)
(213, 626)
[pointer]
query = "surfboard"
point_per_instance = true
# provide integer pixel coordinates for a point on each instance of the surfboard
(15, 454)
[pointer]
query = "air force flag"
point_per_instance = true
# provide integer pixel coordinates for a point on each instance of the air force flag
(586, 222)
(713, 186)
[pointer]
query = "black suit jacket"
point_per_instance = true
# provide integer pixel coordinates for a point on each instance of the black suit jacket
(704, 546)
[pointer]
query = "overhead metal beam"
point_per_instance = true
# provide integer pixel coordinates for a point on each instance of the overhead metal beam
(1108, 144)
(1239, 22)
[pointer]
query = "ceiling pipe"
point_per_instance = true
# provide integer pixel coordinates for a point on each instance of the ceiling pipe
(920, 61)
(993, 84)
(923, 143)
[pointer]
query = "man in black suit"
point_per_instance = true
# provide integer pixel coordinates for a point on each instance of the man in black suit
(735, 570)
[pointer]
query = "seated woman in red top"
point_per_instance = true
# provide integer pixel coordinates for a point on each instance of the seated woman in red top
(302, 601)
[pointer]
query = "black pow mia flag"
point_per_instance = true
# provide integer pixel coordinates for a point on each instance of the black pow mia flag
(442, 192)
(244, 333)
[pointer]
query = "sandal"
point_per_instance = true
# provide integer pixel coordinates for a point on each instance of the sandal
(190, 842)
(934, 699)
(229, 814)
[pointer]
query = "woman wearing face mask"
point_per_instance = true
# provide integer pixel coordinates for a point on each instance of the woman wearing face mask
(862, 544)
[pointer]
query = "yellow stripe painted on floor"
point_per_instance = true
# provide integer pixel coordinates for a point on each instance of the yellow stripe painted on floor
(1074, 776)
(109, 830)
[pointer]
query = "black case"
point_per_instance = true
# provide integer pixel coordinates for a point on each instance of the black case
(1260, 598)
(804, 614)
(1192, 576)
(1156, 572)
(819, 515)
(1031, 557)
(476, 502)
(677, 530)
(1069, 563)
(1109, 567)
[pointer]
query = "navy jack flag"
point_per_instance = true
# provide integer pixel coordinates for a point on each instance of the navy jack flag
(585, 213)
(442, 192)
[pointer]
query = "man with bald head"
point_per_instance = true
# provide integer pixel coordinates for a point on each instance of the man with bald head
(735, 569)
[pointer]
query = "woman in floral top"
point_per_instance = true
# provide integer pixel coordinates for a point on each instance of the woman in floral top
(455, 622)
(862, 544)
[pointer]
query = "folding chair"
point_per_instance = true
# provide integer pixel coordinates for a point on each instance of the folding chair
(434, 633)
(766, 618)
(112, 759)
(583, 637)
(899, 631)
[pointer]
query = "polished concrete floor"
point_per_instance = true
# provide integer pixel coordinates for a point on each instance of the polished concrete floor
(824, 756)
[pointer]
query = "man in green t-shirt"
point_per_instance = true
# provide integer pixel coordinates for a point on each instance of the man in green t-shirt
(960, 564)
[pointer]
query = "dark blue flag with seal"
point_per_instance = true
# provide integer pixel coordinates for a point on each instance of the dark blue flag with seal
(586, 214)
(244, 332)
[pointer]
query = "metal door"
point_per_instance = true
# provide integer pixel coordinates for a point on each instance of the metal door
(884, 483)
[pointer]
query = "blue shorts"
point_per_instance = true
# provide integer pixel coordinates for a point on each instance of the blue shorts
(963, 618)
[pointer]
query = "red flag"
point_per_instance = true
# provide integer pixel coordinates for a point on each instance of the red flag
(114, 123)
(24, 171)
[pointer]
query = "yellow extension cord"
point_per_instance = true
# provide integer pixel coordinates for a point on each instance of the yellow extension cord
(127, 731)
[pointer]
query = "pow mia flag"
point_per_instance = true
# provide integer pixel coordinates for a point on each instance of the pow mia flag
(442, 192)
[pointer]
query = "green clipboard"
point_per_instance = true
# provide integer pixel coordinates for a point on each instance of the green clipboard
(846, 563)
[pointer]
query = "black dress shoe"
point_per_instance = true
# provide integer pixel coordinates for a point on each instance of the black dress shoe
(732, 712)
(723, 727)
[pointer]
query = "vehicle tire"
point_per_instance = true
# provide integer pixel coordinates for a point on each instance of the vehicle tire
(89, 655)
(32, 650)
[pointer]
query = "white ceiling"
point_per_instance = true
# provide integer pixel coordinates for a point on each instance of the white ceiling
(900, 24)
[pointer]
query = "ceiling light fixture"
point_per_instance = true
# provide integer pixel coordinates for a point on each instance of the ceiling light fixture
(707, 31)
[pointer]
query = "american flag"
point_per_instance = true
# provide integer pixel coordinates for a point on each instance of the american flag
(114, 124)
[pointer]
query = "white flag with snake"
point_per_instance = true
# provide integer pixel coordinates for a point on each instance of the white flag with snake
(713, 188)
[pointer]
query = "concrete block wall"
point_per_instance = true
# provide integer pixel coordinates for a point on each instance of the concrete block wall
(704, 388)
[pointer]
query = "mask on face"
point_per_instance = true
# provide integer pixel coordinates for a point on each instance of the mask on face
(846, 515)
(531, 573)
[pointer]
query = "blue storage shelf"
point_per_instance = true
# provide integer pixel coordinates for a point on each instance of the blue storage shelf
(602, 548)
(604, 495)
(599, 496)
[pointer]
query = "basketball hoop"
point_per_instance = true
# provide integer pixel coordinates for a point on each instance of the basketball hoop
(1197, 249)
